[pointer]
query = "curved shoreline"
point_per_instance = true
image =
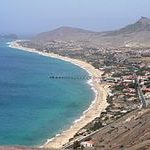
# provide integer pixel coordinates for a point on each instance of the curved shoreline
(94, 110)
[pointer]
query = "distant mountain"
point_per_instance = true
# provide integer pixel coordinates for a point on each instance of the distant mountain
(143, 24)
(8, 36)
(64, 33)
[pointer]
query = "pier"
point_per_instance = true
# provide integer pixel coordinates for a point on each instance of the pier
(70, 77)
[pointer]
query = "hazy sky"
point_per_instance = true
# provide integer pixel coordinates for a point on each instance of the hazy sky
(33, 16)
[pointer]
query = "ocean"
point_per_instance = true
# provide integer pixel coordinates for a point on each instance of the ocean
(33, 107)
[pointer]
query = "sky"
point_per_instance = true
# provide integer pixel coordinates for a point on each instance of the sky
(35, 16)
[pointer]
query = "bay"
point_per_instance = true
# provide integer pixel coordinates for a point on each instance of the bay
(34, 107)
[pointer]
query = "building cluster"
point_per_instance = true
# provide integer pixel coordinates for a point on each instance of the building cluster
(129, 87)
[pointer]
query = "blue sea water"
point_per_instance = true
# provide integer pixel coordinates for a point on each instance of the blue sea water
(33, 107)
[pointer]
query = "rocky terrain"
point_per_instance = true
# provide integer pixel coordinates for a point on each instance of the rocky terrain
(129, 132)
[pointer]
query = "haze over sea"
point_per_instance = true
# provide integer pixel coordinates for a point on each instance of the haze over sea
(33, 107)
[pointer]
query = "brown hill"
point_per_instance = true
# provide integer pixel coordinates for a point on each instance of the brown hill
(64, 33)
(133, 35)
(143, 24)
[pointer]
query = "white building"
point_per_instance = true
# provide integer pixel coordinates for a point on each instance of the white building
(87, 144)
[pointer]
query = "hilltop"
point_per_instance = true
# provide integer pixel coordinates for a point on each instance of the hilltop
(64, 33)
(143, 24)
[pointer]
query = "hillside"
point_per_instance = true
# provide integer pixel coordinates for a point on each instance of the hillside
(130, 132)
(64, 33)
(134, 35)
(143, 24)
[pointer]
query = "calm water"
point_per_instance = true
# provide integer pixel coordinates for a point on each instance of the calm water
(33, 107)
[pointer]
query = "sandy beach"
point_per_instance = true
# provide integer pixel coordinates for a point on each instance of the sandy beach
(94, 110)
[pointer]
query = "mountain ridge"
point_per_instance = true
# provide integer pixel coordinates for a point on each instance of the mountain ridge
(143, 24)
(135, 34)
(62, 32)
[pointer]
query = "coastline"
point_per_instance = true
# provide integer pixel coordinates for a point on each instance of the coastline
(94, 110)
